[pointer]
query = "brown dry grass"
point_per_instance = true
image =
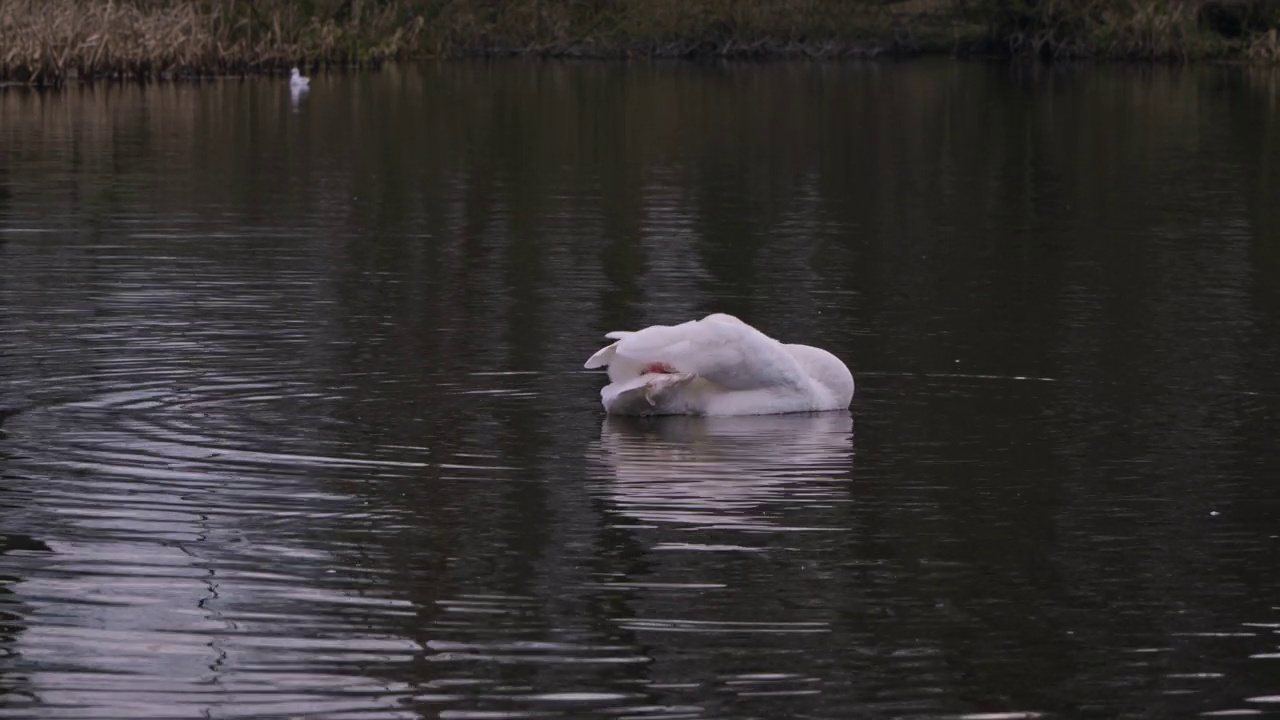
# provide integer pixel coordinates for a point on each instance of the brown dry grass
(48, 42)
(51, 41)
(45, 42)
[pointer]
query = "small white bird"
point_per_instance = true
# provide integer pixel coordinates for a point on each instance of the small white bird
(718, 365)
(297, 82)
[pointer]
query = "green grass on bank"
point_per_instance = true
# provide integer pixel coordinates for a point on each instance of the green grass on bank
(48, 42)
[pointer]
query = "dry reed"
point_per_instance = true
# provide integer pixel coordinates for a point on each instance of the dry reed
(47, 42)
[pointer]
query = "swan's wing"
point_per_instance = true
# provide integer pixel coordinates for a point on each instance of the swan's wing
(605, 355)
(720, 349)
(602, 357)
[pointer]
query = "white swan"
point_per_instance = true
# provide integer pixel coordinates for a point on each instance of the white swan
(718, 365)
(297, 81)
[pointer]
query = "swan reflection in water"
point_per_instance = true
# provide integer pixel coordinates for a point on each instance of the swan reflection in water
(298, 93)
(745, 473)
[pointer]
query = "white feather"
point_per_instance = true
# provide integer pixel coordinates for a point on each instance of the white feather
(718, 365)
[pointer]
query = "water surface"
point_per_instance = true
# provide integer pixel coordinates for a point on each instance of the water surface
(300, 428)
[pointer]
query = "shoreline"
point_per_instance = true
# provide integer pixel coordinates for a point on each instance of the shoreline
(50, 43)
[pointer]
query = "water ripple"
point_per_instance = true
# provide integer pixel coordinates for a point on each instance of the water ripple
(163, 502)
(295, 426)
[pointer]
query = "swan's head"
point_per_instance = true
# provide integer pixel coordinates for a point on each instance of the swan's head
(827, 371)
(294, 74)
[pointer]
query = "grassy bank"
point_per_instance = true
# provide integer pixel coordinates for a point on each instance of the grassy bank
(49, 41)
(52, 41)
(1131, 29)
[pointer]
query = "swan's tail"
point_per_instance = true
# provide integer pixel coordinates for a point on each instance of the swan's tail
(649, 394)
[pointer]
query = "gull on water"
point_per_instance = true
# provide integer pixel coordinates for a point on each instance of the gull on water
(297, 81)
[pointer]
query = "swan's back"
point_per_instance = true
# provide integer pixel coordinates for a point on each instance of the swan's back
(719, 348)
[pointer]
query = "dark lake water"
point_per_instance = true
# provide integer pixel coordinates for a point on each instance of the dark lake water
(299, 427)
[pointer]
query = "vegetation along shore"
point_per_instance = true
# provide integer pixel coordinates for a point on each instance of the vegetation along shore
(50, 42)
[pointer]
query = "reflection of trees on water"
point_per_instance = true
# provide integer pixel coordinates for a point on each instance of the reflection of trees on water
(613, 189)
